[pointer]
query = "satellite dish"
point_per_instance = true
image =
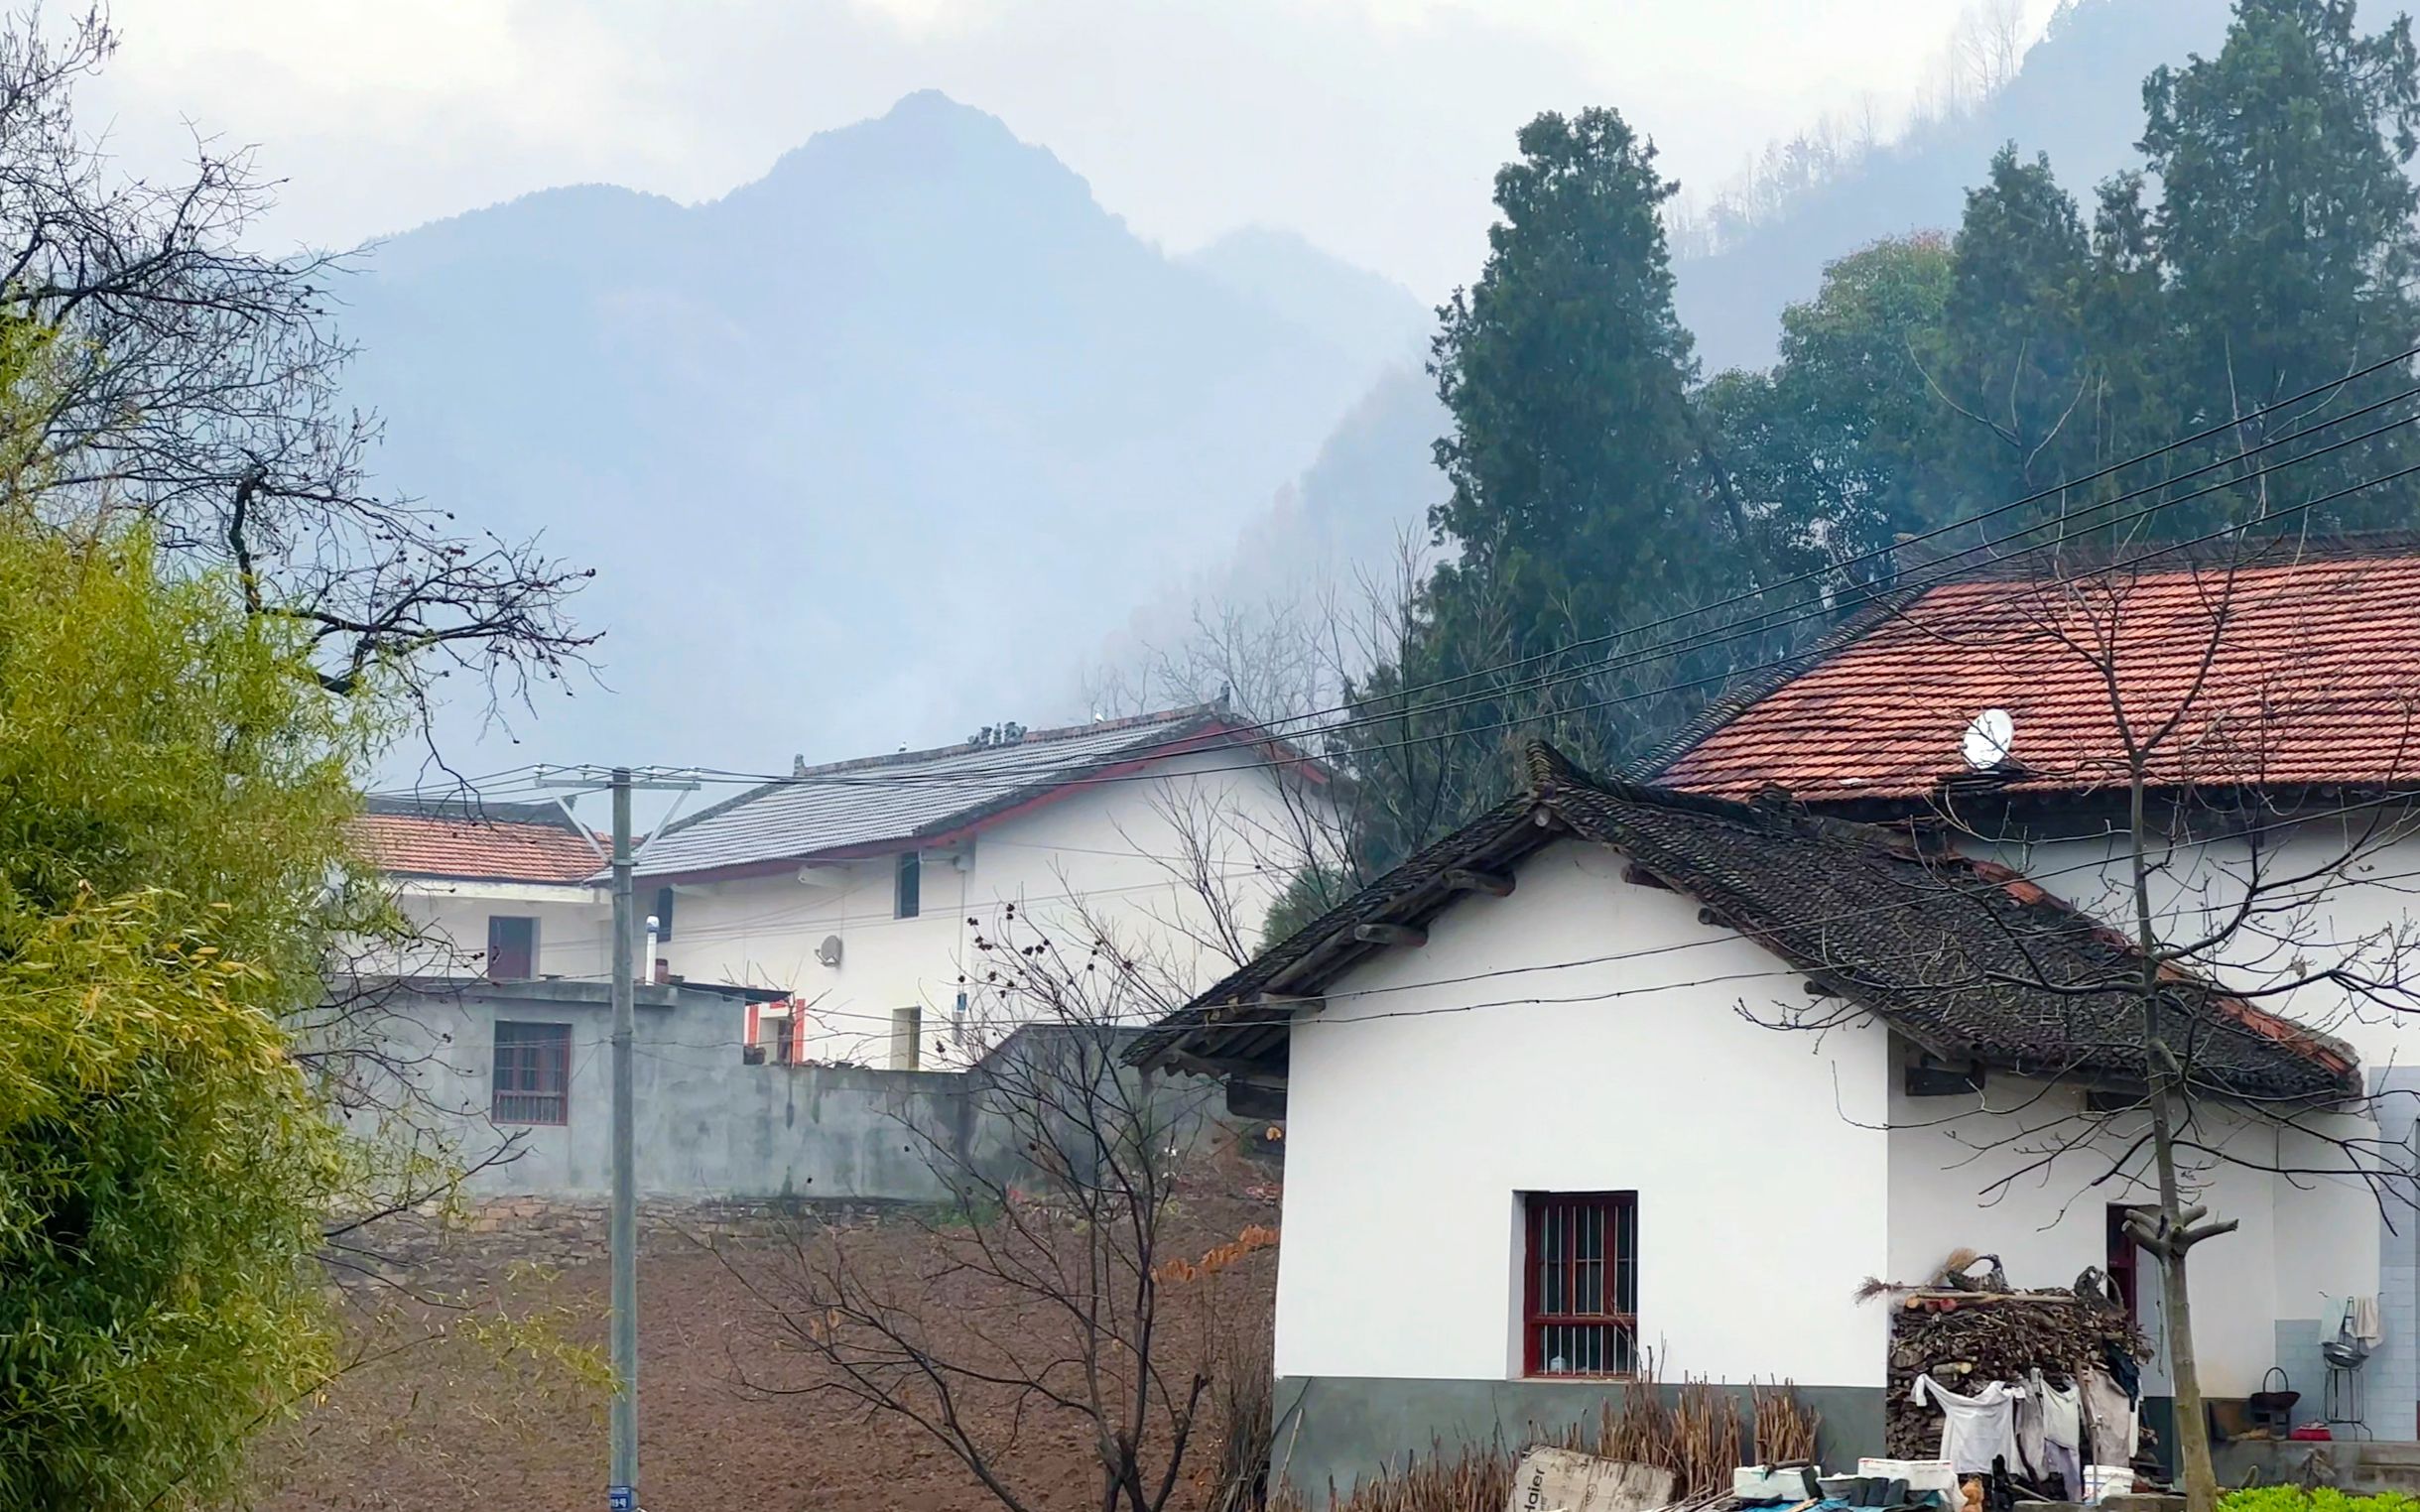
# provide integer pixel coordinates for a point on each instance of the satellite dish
(829, 952)
(1989, 737)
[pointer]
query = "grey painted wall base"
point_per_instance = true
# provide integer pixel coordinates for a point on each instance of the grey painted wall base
(1335, 1429)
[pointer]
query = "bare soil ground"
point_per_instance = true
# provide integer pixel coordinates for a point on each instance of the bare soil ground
(444, 1423)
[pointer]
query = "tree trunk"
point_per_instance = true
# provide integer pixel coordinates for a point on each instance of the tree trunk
(2194, 1472)
(2200, 1482)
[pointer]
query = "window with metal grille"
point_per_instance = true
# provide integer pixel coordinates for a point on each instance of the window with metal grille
(907, 1027)
(533, 1073)
(1580, 1309)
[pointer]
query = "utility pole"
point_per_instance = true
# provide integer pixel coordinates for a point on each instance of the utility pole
(622, 1478)
(622, 1474)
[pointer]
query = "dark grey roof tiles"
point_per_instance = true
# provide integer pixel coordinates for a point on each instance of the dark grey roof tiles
(882, 799)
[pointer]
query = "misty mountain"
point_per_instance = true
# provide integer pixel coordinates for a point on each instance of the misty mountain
(1351, 309)
(871, 448)
(2078, 98)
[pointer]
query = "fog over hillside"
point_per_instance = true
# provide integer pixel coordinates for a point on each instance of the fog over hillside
(874, 448)
(901, 438)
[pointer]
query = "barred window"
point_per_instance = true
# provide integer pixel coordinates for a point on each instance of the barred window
(533, 1073)
(1581, 1283)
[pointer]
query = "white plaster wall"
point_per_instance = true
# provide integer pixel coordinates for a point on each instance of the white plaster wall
(2351, 907)
(2350, 915)
(1117, 852)
(2328, 1239)
(1757, 1156)
(1971, 1172)
(573, 926)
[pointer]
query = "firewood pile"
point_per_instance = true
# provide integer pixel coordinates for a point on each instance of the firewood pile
(1967, 1338)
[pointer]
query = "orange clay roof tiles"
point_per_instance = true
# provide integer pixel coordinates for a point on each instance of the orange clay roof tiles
(486, 849)
(2285, 673)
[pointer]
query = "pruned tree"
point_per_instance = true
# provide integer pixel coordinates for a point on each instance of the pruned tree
(1071, 1278)
(2181, 692)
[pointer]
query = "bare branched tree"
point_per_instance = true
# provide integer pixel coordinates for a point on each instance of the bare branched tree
(1070, 1283)
(183, 376)
(2178, 715)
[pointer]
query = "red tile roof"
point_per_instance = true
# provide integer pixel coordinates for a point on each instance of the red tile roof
(2279, 673)
(486, 848)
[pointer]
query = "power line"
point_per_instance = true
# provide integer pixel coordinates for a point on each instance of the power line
(2084, 923)
(1833, 568)
(1018, 773)
(723, 775)
(1944, 571)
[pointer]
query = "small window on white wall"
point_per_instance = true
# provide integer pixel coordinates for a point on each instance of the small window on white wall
(1580, 1283)
(908, 886)
(907, 1031)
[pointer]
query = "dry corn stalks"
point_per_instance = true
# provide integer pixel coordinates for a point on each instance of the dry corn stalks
(1701, 1438)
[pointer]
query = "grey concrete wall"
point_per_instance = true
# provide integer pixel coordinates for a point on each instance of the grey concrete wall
(708, 1124)
(1333, 1430)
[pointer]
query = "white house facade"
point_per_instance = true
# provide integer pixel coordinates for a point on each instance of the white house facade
(2273, 692)
(1681, 1062)
(853, 899)
(504, 891)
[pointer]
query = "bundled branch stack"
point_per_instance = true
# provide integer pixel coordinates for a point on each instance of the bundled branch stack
(1966, 1338)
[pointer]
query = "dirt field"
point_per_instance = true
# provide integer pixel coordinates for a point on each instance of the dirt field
(443, 1425)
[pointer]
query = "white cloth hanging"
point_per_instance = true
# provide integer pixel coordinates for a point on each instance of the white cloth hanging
(2056, 1447)
(1974, 1429)
(2110, 1418)
(2364, 1322)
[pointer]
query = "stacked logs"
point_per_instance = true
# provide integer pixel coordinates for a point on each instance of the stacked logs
(1965, 1340)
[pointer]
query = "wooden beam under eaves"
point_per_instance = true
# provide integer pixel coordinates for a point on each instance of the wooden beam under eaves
(1390, 934)
(1466, 879)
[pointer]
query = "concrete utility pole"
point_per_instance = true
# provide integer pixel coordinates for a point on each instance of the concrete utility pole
(623, 1474)
(622, 1479)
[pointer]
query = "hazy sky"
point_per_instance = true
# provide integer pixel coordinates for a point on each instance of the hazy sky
(1371, 126)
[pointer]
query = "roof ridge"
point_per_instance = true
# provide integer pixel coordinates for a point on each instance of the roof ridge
(1769, 679)
(1027, 737)
(473, 810)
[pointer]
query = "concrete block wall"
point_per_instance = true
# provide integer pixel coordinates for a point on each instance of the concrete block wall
(710, 1125)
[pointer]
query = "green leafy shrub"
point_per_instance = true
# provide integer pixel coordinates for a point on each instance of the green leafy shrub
(2325, 1499)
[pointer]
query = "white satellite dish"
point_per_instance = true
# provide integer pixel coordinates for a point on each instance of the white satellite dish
(1989, 737)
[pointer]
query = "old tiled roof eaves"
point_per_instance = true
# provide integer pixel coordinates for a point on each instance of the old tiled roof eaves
(1964, 958)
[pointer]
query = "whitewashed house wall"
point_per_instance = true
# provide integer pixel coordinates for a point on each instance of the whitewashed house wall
(1775, 1172)
(574, 926)
(1116, 851)
(1415, 1120)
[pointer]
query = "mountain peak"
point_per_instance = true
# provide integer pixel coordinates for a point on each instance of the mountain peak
(925, 139)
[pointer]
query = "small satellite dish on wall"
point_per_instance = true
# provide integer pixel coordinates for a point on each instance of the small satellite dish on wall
(1990, 736)
(829, 952)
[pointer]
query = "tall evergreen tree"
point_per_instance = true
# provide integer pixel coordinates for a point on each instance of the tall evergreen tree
(2285, 229)
(1586, 494)
(1572, 456)
(2013, 364)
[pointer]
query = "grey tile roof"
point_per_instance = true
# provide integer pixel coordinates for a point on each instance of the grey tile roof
(883, 799)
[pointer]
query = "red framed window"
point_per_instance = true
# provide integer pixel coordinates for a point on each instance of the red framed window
(1580, 1263)
(2125, 1260)
(533, 1073)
